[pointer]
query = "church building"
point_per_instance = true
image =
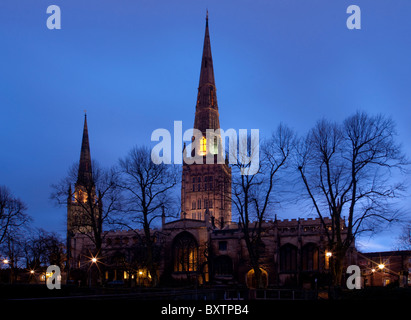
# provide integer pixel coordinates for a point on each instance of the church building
(204, 245)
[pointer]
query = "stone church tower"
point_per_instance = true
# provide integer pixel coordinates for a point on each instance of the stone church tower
(206, 186)
(82, 200)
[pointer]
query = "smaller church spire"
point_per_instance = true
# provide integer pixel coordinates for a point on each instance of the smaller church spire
(85, 177)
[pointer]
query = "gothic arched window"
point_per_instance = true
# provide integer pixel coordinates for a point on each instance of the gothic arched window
(185, 253)
(288, 258)
(309, 254)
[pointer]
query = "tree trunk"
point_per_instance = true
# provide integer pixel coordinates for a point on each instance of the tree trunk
(337, 267)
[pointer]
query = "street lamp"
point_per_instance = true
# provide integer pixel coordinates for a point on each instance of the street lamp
(93, 260)
(381, 266)
(328, 255)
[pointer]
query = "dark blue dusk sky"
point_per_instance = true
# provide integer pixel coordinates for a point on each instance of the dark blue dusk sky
(134, 66)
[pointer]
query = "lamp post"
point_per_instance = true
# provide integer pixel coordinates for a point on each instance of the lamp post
(93, 260)
(6, 262)
(32, 275)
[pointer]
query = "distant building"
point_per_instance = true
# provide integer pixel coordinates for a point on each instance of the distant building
(204, 245)
(385, 268)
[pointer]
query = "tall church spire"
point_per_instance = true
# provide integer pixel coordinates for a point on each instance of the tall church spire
(206, 116)
(85, 177)
(206, 186)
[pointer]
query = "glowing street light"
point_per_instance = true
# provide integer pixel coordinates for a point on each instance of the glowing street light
(93, 260)
(381, 266)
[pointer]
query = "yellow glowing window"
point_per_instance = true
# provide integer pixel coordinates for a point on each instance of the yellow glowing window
(81, 196)
(203, 146)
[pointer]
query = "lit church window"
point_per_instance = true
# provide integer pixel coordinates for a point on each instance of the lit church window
(81, 196)
(203, 146)
(185, 253)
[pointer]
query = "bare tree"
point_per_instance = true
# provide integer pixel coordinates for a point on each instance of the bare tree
(12, 212)
(404, 239)
(13, 222)
(347, 171)
(42, 249)
(252, 189)
(96, 202)
(147, 188)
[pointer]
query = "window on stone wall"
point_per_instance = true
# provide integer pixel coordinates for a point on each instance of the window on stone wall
(288, 258)
(309, 255)
(185, 253)
(222, 245)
